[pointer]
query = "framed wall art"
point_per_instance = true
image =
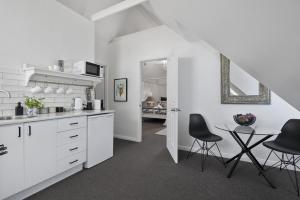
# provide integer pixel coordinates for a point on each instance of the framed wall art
(120, 90)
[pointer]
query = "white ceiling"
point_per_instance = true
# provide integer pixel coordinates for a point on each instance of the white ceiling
(261, 36)
(129, 21)
(88, 7)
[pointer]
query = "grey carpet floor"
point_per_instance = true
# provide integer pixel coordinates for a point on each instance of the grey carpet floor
(145, 171)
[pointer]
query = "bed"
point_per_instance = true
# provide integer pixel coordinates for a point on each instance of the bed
(154, 109)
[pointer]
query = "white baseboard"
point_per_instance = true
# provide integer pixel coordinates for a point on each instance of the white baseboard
(230, 155)
(125, 137)
(28, 192)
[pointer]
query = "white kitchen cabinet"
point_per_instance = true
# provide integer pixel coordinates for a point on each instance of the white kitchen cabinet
(40, 151)
(100, 139)
(12, 162)
(71, 123)
(71, 136)
(71, 143)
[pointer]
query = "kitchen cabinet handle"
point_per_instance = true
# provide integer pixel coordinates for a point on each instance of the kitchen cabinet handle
(29, 130)
(73, 149)
(19, 132)
(75, 123)
(3, 153)
(73, 136)
(75, 161)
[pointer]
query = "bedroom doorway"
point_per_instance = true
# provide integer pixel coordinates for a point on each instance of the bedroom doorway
(154, 99)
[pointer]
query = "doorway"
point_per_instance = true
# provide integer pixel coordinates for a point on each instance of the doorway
(168, 112)
(154, 98)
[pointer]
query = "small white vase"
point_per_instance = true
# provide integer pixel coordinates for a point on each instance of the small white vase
(32, 112)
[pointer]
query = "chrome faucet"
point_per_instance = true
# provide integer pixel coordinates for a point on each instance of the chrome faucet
(6, 92)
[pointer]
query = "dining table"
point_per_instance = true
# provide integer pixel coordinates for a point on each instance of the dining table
(250, 132)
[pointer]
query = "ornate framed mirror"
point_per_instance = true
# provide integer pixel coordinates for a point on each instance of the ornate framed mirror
(238, 87)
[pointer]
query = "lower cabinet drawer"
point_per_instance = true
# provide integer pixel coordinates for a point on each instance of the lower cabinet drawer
(71, 123)
(70, 149)
(70, 162)
(71, 136)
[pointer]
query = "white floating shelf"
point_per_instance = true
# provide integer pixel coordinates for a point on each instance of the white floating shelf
(33, 73)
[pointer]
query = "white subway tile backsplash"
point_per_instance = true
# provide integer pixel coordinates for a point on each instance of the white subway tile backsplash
(9, 82)
(11, 76)
(11, 70)
(2, 95)
(12, 80)
(12, 100)
(7, 106)
(48, 100)
(15, 88)
(8, 112)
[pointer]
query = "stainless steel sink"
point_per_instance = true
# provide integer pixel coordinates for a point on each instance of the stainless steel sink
(6, 118)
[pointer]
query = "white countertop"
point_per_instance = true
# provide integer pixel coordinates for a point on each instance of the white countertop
(50, 116)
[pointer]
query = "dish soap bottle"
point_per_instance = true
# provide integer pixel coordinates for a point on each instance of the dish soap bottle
(19, 109)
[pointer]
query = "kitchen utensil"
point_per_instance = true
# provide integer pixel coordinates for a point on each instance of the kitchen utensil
(89, 105)
(52, 109)
(60, 90)
(44, 110)
(102, 104)
(68, 109)
(69, 91)
(97, 104)
(61, 65)
(36, 89)
(78, 103)
(19, 110)
(55, 68)
(59, 109)
(48, 90)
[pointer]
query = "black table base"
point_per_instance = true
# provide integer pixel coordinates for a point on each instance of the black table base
(247, 150)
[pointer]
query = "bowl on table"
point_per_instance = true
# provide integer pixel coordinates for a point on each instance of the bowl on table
(245, 120)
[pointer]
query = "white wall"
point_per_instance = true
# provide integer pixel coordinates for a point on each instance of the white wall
(125, 56)
(200, 93)
(199, 87)
(262, 37)
(40, 33)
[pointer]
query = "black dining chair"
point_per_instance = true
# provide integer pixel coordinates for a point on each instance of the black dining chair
(198, 129)
(288, 144)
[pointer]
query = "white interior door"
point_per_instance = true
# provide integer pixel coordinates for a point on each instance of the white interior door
(172, 107)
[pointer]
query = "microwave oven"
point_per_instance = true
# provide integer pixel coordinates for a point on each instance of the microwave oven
(88, 69)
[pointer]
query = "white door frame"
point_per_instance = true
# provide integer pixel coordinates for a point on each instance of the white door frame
(140, 128)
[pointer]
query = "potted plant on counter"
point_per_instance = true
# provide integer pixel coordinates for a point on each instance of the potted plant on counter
(33, 104)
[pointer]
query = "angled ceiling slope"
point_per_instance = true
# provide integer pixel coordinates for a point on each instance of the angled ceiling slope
(261, 36)
(88, 7)
(129, 21)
